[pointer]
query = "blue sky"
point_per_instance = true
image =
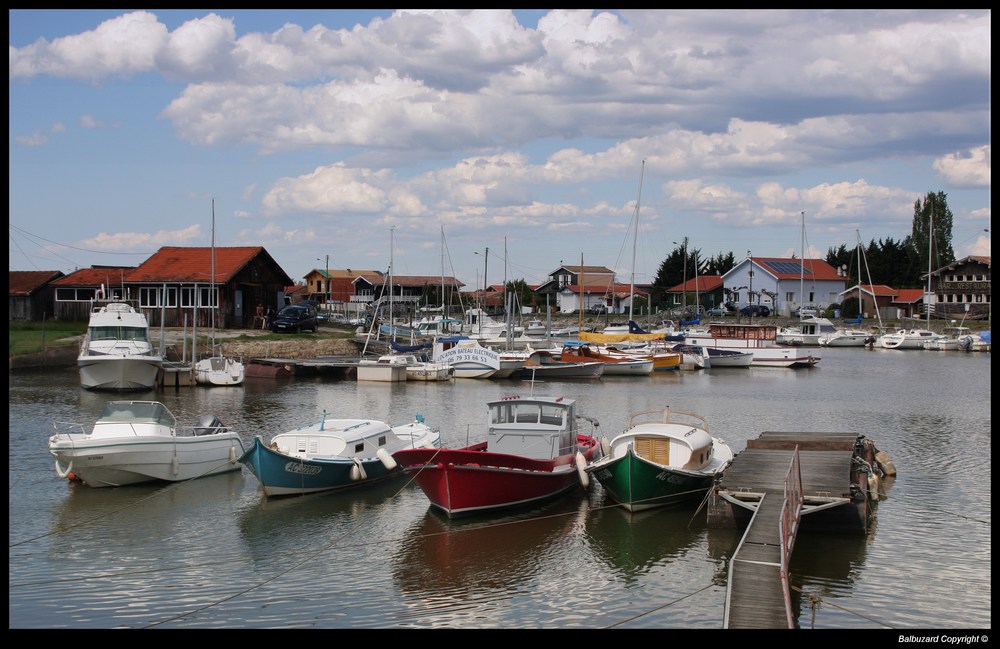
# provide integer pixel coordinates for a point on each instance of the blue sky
(333, 133)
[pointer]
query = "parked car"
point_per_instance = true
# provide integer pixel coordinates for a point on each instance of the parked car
(761, 310)
(717, 312)
(803, 312)
(598, 309)
(294, 318)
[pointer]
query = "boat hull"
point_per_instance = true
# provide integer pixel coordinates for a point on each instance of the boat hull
(219, 370)
(106, 372)
(284, 475)
(126, 461)
(464, 482)
(638, 484)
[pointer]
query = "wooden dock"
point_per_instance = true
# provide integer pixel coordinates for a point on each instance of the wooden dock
(783, 482)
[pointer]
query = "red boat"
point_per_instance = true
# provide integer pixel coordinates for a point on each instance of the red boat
(533, 452)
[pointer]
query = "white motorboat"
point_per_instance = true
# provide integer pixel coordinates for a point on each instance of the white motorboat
(909, 339)
(219, 370)
(140, 441)
(759, 340)
(847, 338)
(116, 353)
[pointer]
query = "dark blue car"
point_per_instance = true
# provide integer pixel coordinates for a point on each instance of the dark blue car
(294, 318)
(761, 310)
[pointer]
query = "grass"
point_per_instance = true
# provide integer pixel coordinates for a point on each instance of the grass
(33, 337)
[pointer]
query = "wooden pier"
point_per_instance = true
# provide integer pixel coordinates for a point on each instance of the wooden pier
(783, 482)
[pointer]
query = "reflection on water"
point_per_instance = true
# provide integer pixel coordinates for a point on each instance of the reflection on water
(630, 544)
(215, 552)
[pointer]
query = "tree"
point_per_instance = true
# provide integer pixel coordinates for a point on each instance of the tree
(931, 219)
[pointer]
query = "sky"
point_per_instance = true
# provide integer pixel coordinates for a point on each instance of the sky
(491, 144)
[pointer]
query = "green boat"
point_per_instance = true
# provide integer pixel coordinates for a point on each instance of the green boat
(664, 458)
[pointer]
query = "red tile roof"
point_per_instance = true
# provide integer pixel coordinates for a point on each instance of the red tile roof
(703, 283)
(174, 264)
(24, 282)
(107, 275)
(909, 295)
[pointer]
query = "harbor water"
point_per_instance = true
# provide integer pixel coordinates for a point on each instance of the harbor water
(214, 553)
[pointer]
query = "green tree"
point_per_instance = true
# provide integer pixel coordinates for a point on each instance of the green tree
(929, 242)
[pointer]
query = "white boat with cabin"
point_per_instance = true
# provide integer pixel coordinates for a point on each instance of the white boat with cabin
(757, 339)
(116, 352)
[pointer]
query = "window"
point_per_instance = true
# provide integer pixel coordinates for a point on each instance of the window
(360, 446)
(75, 294)
(156, 296)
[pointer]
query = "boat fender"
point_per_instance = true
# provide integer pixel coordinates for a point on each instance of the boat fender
(232, 455)
(874, 485)
(64, 474)
(173, 465)
(358, 471)
(884, 463)
(605, 445)
(387, 460)
(581, 468)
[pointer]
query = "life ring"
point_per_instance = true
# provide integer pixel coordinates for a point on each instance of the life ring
(67, 472)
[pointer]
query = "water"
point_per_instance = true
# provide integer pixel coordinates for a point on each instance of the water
(214, 553)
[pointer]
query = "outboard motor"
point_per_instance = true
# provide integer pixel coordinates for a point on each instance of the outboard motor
(209, 425)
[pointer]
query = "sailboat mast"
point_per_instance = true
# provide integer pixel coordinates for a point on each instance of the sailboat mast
(212, 294)
(635, 237)
(802, 267)
(930, 259)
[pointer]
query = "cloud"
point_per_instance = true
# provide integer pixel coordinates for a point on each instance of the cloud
(969, 169)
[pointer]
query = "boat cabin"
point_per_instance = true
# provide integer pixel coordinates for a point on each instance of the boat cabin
(539, 428)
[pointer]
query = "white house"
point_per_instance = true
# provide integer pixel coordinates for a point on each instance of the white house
(784, 284)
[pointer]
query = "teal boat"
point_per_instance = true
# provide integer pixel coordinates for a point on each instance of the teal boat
(664, 458)
(333, 454)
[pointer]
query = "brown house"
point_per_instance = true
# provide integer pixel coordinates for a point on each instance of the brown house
(30, 294)
(175, 287)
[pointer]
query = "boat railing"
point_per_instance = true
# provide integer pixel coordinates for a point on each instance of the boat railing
(667, 415)
(68, 429)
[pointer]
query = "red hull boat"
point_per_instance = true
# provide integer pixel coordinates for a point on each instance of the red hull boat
(533, 452)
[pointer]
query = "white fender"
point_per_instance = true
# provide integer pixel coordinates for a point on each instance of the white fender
(884, 463)
(358, 471)
(387, 460)
(173, 465)
(232, 455)
(605, 445)
(60, 472)
(581, 468)
(874, 486)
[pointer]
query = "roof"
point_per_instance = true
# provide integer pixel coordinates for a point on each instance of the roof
(788, 268)
(703, 283)
(97, 276)
(175, 264)
(576, 270)
(346, 273)
(25, 282)
(875, 290)
(620, 290)
(412, 280)
(909, 295)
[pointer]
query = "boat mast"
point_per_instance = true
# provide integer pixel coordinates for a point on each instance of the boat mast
(635, 236)
(930, 258)
(802, 267)
(212, 293)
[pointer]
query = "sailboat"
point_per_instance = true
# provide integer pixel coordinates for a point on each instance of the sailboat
(217, 369)
(851, 336)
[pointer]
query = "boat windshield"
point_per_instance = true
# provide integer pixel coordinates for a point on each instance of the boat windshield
(118, 333)
(137, 411)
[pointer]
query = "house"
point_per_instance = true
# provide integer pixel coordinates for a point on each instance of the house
(708, 290)
(336, 286)
(784, 284)
(30, 294)
(174, 287)
(406, 291)
(581, 287)
(962, 289)
(877, 300)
